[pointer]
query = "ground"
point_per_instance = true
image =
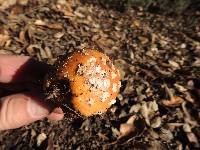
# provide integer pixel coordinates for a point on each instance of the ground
(159, 59)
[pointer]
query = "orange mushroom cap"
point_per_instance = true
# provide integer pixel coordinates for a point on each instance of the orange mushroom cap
(94, 81)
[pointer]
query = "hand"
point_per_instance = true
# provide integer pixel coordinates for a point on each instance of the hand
(22, 104)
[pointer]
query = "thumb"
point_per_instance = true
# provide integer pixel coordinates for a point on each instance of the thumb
(20, 109)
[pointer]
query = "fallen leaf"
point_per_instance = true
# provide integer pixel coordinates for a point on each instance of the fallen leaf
(131, 119)
(136, 24)
(174, 64)
(102, 136)
(23, 2)
(180, 88)
(126, 129)
(22, 36)
(6, 4)
(148, 111)
(115, 132)
(4, 37)
(58, 35)
(40, 23)
(33, 133)
(135, 108)
(54, 26)
(174, 101)
(50, 145)
(7, 52)
(156, 122)
(40, 138)
(65, 7)
(192, 138)
(48, 24)
(186, 127)
(166, 134)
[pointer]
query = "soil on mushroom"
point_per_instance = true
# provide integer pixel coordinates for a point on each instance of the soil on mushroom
(158, 57)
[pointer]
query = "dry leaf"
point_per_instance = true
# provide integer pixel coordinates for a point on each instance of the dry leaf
(17, 9)
(40, 23)
(50, 145)
(126, 129)
(22, 36)
(65, 7)
(49, 25)
(7, 52)
(40, 138)
(174, 64)
(136, 23)
(6, 4)
(166, 134)
(23, 2)
(143, 40)
(4, 37)
(156, 122)
(54, 26)
(180, 87)
(196, 63)
(115, 132)
(174, 101)
(186, 127)
(131, 120)
(192, 137)
(148, 111)
(58, 35)
(135, 108)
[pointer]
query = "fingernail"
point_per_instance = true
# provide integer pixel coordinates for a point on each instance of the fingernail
(36, 110)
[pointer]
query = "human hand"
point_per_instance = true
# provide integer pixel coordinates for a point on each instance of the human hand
(20, 100)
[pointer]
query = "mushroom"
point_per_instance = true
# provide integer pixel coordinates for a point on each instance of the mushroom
(86, 80)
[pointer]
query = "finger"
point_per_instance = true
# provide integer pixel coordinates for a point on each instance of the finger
(20, 68)
(56, 115)
(20, 109)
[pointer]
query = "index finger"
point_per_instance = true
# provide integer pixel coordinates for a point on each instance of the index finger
(21, 69)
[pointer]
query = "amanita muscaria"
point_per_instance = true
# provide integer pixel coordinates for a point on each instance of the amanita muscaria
(87, 80)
